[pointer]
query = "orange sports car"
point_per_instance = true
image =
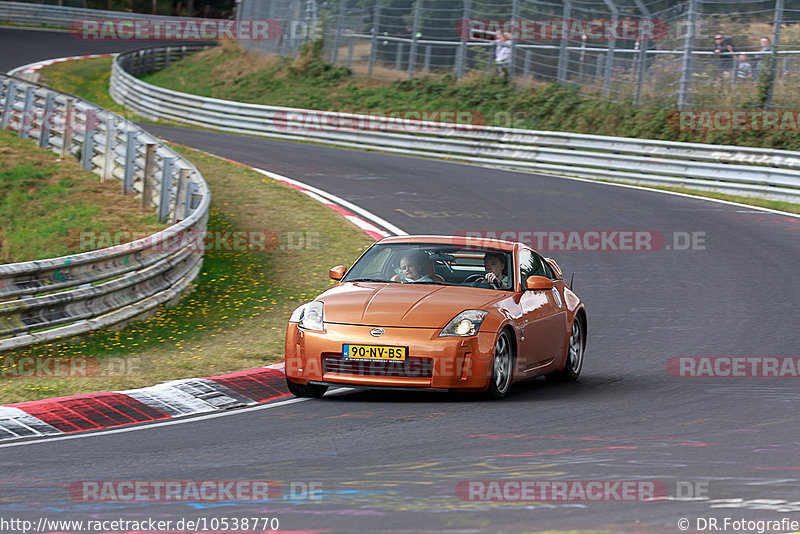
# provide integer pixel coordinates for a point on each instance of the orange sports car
(438, 312)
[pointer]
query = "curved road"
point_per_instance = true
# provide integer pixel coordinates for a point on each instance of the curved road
(391, 462)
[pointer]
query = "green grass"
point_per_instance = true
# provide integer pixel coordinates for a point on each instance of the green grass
(46, 204)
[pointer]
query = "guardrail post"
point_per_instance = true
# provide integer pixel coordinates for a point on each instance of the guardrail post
(87, 150)
(44, 135)
(66, 138)
(412, 53)
(191, 188)
(111, 139)
(183, 183)
(130, 162)
(166, 189)
(376, 21)
(149, 171)
(461, 54)
(8, 106)
(27, 113)
(166, 56)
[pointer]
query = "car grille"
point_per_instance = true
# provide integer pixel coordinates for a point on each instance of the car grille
(411, 368)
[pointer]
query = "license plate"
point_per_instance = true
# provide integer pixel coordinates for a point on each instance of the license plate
(374, 352)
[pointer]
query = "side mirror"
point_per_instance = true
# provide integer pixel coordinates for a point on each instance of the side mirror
(337, 273)
(538, 283)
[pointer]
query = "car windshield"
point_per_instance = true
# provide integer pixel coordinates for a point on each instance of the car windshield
(416, 263)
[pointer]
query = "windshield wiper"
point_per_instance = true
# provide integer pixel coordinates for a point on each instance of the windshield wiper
(369, 280)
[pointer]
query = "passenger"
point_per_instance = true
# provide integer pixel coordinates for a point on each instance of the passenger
(496, 271)
(415, 266)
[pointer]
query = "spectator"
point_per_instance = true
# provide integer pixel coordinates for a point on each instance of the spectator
(502, 53)
(725, 49)
(764, 53)
(744, 70)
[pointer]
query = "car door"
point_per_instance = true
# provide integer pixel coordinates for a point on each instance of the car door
(543, 320)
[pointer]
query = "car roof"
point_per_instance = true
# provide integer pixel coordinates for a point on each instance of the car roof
(451, 240)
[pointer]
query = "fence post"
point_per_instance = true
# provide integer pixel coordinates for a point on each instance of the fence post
(111, 138)
(8, 106)
(399, 57)
(87, 150)
(612, 43)
(69, 120)
(27, 113)
(688, 46)
(165, 190)
(44, 135)
(376, 21)
(339, 30)
(526, 64)
(427, 64)
(773, 67)
(461, 55)
(563, 51)
(412, 54)
(149, 171)
(349, 52)
(514, 38)
(641, 64)
(130, 161)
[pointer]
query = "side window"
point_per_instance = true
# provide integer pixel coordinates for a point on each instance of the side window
(546, 269)
(531, 264)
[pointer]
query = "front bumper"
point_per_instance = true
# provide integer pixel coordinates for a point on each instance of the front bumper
(433, 361)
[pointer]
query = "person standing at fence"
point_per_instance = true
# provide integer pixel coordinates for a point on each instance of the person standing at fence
(723, 47)
(764, 53)
(502, 53)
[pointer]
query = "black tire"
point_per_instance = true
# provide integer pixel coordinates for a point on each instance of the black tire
(306, 390)
(502, 367)
(574, 364)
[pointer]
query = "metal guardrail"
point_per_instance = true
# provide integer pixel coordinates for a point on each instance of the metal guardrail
(63, 16)
(731, 169)
(54, 298)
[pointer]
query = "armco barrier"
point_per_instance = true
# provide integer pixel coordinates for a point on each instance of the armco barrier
(53, 298)
(731, 169)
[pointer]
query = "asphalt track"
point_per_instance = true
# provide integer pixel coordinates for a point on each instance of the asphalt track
(392, 461)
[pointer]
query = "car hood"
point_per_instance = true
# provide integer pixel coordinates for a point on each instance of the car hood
(407, 305)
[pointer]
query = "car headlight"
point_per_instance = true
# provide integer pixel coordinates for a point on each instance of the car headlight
(464, 324)
(311, 316)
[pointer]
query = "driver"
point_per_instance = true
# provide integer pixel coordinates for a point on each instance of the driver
(496, 276)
